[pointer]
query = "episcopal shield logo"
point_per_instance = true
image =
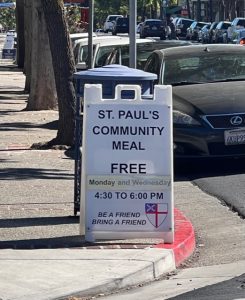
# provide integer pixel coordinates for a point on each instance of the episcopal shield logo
(156, 213)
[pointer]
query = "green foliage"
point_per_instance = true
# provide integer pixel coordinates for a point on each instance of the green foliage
(103, 8)
(73, 16)
(7, 18)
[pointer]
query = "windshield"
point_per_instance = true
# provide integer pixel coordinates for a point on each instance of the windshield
(241, 22)
(119, 54)
(112, 18)
(121, 21)
(203, 69)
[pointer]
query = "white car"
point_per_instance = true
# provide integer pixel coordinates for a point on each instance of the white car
(78, 36)
(109, 49)
(109, 22)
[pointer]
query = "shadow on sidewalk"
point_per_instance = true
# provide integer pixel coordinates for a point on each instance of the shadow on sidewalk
(46, 243)
(31, 173)
(39, 221)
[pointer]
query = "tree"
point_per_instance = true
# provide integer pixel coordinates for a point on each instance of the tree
(20, 29)
(42, 84)
(230, 9)
(28, 44)
(64, 68)
(7, 18)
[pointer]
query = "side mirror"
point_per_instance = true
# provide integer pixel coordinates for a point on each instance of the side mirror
(82, 66)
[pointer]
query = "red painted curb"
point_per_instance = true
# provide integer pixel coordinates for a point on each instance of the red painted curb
(184, 238)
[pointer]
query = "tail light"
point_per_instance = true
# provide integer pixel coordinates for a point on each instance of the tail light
(242, 41)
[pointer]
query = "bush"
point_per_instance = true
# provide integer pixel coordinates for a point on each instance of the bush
(7, 18)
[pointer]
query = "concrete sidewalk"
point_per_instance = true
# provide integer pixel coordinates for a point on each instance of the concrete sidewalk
(42, 255)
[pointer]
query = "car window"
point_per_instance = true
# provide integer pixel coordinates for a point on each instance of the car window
(153, 22)
(104, 53)
(200, 25)
(226, 25)
(121, 21)
(153, 65)
(204, 68)
(194, 24)
(112, 18)
(187, 22)
(241, 23)
(120, 55)
(219, 26)
(83, 55)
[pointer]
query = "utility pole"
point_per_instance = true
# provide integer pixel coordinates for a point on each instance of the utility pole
(90, 33)
(188, 8)
(132, 33)
(211, 10)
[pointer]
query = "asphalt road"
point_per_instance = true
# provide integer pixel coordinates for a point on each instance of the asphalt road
(222, 178)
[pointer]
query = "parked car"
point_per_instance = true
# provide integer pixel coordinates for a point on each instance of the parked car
(208, 84)
(220, 30)
(236, 24)
(239, 37)
(211, 31)
(79, 35)
(153, 28)
(192, 31)
(107, 49)
(144, 50)
(109, 22)
(120, 25)
(203, 34)
(181, 26)
(115, 50)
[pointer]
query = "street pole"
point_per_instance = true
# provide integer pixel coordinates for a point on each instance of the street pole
(211, 10)
(132, 33)
(90, 33)
(188, 8)
(198, 10)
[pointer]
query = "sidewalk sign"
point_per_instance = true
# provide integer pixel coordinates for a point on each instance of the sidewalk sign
(127, 165)
(8, 51)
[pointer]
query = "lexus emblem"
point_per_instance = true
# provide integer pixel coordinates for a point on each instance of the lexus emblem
(236, 120)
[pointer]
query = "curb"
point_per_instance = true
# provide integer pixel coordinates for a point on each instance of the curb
(184, 241)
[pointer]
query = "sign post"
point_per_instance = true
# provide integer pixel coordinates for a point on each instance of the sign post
(127, 165)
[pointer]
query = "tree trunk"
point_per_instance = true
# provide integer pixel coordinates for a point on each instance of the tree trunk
(42, 89)
(20, 33)
(64, 68)
(27, 36)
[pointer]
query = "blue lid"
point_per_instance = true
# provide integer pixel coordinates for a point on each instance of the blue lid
(114, 71)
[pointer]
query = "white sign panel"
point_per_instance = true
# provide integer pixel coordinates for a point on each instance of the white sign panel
(127, 165)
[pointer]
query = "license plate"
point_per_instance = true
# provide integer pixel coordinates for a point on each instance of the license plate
(234, 137)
